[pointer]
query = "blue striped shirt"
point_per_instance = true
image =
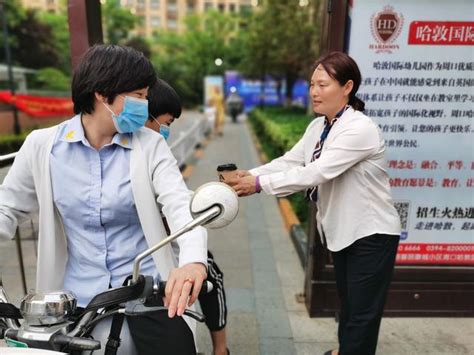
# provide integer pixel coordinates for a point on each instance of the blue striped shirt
(93, 194)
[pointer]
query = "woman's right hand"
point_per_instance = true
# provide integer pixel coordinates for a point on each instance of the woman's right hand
(243, 186)
(242, 173)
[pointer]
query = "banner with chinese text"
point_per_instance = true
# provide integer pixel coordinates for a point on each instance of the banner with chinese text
(39, 106)
(417, 64)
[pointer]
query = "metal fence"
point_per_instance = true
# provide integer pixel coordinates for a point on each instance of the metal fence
(184, 146)
(8, 157)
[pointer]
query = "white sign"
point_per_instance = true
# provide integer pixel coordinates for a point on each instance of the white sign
(417, 65)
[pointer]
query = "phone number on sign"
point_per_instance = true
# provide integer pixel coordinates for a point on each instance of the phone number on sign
(429, 248)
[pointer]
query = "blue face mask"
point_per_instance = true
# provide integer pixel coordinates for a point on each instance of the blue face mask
(133, 115)
(164, 129)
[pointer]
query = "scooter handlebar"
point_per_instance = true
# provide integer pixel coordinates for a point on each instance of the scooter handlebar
(159, 288)
(61, 341)
(74, 343)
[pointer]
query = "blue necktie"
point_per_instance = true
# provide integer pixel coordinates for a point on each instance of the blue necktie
(312, 193)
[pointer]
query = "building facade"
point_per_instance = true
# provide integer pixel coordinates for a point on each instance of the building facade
(45, 5)
(169, 14)
(159, 14)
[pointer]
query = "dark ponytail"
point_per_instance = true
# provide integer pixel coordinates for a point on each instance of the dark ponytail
(356, 103)
(343, 68)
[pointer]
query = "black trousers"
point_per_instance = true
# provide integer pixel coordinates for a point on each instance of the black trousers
(213, 304)
(157, 334)
(363, 274)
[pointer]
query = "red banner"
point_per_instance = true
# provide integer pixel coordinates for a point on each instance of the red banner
(39, 106)
(441, 33)
(446, 254)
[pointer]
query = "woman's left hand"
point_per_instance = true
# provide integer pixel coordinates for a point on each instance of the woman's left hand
(244, 186)
(181, 282)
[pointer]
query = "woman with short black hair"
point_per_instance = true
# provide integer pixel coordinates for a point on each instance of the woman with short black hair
(96, 181)
(109, 70)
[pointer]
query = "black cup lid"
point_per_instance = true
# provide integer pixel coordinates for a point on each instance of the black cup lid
(226, 167)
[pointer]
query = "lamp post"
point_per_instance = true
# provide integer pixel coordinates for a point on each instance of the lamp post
(16, 123)
(218, 62)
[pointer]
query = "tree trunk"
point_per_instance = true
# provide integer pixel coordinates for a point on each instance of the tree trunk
(290, 83)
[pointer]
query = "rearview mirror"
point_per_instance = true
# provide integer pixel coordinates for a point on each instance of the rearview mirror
(215, 194)
(213, 205)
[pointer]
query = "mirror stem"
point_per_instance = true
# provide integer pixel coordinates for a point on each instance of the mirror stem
(202, 219)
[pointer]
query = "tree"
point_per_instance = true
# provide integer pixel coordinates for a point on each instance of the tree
(283, 40)
(58, 22)
(14, 14)
(51, 79)
(184, 59)
(33, 45)
(37, 39)
(140, 44)
(118, 22)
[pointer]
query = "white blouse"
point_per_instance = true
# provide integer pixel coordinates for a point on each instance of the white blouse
(354, 199)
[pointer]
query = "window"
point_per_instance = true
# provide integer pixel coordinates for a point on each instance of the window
(172, 7)
(155, 21)
(172, 24)
(155, 4)
(172, 16)
(191, 6)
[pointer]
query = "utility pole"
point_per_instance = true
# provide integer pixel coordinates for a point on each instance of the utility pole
(8, 59)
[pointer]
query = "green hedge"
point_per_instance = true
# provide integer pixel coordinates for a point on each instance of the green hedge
(10, 144)
(279, 129)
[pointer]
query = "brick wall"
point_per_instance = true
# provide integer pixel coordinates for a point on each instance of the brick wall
(6, 122)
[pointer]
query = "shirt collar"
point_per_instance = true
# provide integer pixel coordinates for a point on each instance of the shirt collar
(338, 116)
(74, 132)
(123, 139)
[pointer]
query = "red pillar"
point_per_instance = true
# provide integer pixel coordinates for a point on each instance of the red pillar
(85, 26)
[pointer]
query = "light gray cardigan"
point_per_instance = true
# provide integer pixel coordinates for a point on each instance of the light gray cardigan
(154, 176)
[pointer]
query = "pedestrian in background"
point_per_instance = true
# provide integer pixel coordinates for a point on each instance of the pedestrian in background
(235, 104)
(217, 101)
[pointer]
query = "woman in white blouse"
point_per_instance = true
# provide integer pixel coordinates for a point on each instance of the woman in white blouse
(340, 164)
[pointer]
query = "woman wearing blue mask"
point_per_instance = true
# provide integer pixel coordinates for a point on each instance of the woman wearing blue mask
(96, 181)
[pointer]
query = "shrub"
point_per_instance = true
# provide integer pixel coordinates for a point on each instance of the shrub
(10, 144)
(279, 129)
(51, 79)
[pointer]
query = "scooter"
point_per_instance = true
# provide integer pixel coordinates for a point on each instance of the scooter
(50, 325)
